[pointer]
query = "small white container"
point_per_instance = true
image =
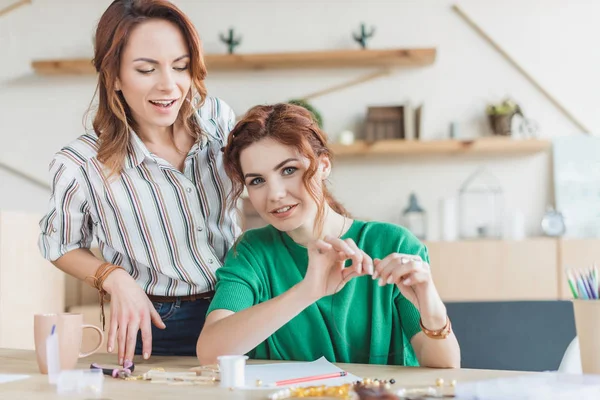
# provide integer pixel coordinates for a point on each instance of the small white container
(449, 219)
(85, 383)
(232, 370)
(515, 226)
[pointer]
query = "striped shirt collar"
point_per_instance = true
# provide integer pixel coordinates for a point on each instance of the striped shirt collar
(137, 151)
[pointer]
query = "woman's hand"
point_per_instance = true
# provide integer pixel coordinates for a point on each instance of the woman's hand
(326, 273)
(130, 311)
(413, 277)
(411, 274)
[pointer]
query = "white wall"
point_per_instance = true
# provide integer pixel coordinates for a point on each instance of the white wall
(554, 40)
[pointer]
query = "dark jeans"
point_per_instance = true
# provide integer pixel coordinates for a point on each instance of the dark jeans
(184, 321)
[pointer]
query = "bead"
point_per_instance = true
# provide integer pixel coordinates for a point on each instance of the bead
(453, 383)
(342, 392)
(392, 381)
(387, 386)
(439, 382)
(258, 382)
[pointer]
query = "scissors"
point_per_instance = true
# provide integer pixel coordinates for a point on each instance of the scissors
(122, 372)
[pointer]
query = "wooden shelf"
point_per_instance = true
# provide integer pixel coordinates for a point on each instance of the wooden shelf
(300, 60)
(483, 146)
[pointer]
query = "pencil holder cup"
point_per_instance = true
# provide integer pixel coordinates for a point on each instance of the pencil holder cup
(587, 324)
(233, 371)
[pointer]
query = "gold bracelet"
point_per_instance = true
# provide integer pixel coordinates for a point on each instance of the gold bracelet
(442, 333)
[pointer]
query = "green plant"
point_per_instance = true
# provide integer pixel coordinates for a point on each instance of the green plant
(364, 35)
(231, 41)
(507, 107)
(316, 115)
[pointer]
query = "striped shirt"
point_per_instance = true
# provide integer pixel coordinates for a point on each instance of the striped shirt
(169, 230)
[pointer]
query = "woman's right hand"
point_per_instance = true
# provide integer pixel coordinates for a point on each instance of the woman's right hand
(130, 311)
(326, 273)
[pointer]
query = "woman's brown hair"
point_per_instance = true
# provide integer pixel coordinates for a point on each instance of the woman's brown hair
(292, 126)
(113, 118)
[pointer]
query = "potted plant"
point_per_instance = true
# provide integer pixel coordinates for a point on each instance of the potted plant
(501, 115)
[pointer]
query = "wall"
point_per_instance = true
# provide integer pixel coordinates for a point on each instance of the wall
(550, 38)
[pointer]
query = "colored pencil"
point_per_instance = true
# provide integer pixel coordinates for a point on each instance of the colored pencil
(310, 378)
(584, 283)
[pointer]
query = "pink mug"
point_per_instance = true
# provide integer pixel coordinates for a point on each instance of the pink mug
(69, 328)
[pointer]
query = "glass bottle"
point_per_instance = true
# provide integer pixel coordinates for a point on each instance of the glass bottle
(415, 218)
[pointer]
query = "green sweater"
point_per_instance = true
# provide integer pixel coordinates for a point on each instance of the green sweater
(362, 323)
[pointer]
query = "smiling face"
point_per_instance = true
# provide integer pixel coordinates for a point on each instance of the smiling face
(273, 176)
(154, 75)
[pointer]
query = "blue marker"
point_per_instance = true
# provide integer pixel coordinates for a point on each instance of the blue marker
(52, 356)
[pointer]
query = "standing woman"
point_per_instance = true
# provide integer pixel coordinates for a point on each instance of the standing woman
(148, 183)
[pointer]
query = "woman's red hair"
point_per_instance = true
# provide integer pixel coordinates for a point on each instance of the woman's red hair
(292, 126)
(113, 119)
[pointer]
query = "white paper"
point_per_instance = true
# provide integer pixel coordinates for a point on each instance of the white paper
(6, 378)
(271, 373)
(545, 386)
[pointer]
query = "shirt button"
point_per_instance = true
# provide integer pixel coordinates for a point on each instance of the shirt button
(199, 229)
(210, 261)
(53, 230)
(189, 190)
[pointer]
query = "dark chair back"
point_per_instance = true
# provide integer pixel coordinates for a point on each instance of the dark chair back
(512, 335)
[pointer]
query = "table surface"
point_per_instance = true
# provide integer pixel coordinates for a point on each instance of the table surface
(37, 386)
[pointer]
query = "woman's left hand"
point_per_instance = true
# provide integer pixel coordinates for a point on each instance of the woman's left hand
(409, 272)
(413, 277)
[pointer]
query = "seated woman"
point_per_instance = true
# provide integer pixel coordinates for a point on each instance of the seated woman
(315, 282)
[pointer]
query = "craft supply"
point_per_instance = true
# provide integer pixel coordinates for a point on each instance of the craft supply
(53, 356)
(211, 370)
(85, 383)
(369, 389)
(233, 370)
(146, 376)
(122, 372)
(310, 378)
(161, 375)
(269, 374)
(344, 391)
(585, 288)
(584, 283)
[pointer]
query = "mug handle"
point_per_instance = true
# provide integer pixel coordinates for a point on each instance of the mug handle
(81, 355)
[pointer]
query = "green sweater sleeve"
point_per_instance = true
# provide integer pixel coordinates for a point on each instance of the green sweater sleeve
(238, 284)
